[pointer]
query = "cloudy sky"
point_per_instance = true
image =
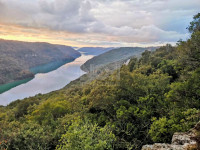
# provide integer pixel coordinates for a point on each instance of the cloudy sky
(97, 22)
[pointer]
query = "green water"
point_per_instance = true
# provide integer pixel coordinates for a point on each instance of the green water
(49, 67)
(8, 86)
(38, 69)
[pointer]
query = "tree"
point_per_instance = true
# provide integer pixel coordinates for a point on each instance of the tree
(195, 24)
(163, 128)
(48, 112)
(29, 136)
(83, 135)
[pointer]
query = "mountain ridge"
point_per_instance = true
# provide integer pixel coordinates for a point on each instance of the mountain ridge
(113, 55)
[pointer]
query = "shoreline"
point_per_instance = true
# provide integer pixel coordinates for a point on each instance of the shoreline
(45, 68)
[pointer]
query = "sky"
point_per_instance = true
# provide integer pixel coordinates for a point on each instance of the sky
(97, 23)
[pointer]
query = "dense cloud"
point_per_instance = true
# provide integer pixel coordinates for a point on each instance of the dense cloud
(125, 21)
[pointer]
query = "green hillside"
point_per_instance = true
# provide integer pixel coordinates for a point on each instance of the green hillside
(113, 55)
(144, 102)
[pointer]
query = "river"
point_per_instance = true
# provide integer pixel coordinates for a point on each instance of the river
(46, 82)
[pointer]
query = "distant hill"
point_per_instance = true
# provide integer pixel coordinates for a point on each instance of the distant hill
(17, 58)
(114, 55)
(94, 50)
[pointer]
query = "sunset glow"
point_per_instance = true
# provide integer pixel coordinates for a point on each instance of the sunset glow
(97, 23)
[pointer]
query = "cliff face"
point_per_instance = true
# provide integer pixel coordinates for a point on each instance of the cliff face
(180, 141)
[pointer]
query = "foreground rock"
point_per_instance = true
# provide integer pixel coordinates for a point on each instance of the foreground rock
(180, 141)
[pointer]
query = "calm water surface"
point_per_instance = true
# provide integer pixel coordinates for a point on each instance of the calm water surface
(47, 82)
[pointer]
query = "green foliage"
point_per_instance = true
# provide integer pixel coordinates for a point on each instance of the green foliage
(132, 64)
(48, 112)
(31, 136)
(190, 52)
(162, 129)
(195, 24)
(22, 108)
(87, 136)
(188, 91)
(169, 67)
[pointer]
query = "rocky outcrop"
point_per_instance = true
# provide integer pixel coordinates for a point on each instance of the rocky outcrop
(180, 141)
(159, 146)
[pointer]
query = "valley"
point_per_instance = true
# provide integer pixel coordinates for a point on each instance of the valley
(20, 61)
(44, 82)
(99, 75)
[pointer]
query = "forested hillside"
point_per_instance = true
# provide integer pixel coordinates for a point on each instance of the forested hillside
(17, 58)
(144, 102)
(112, 56)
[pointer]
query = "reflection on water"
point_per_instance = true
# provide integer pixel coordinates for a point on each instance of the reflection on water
(44, 83)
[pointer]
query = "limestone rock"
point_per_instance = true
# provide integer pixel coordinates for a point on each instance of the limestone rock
(182, 138)
(159, 146)
(180, 141)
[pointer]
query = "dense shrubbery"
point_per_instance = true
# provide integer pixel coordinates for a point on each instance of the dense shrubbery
(155, 96)
(86, 136)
